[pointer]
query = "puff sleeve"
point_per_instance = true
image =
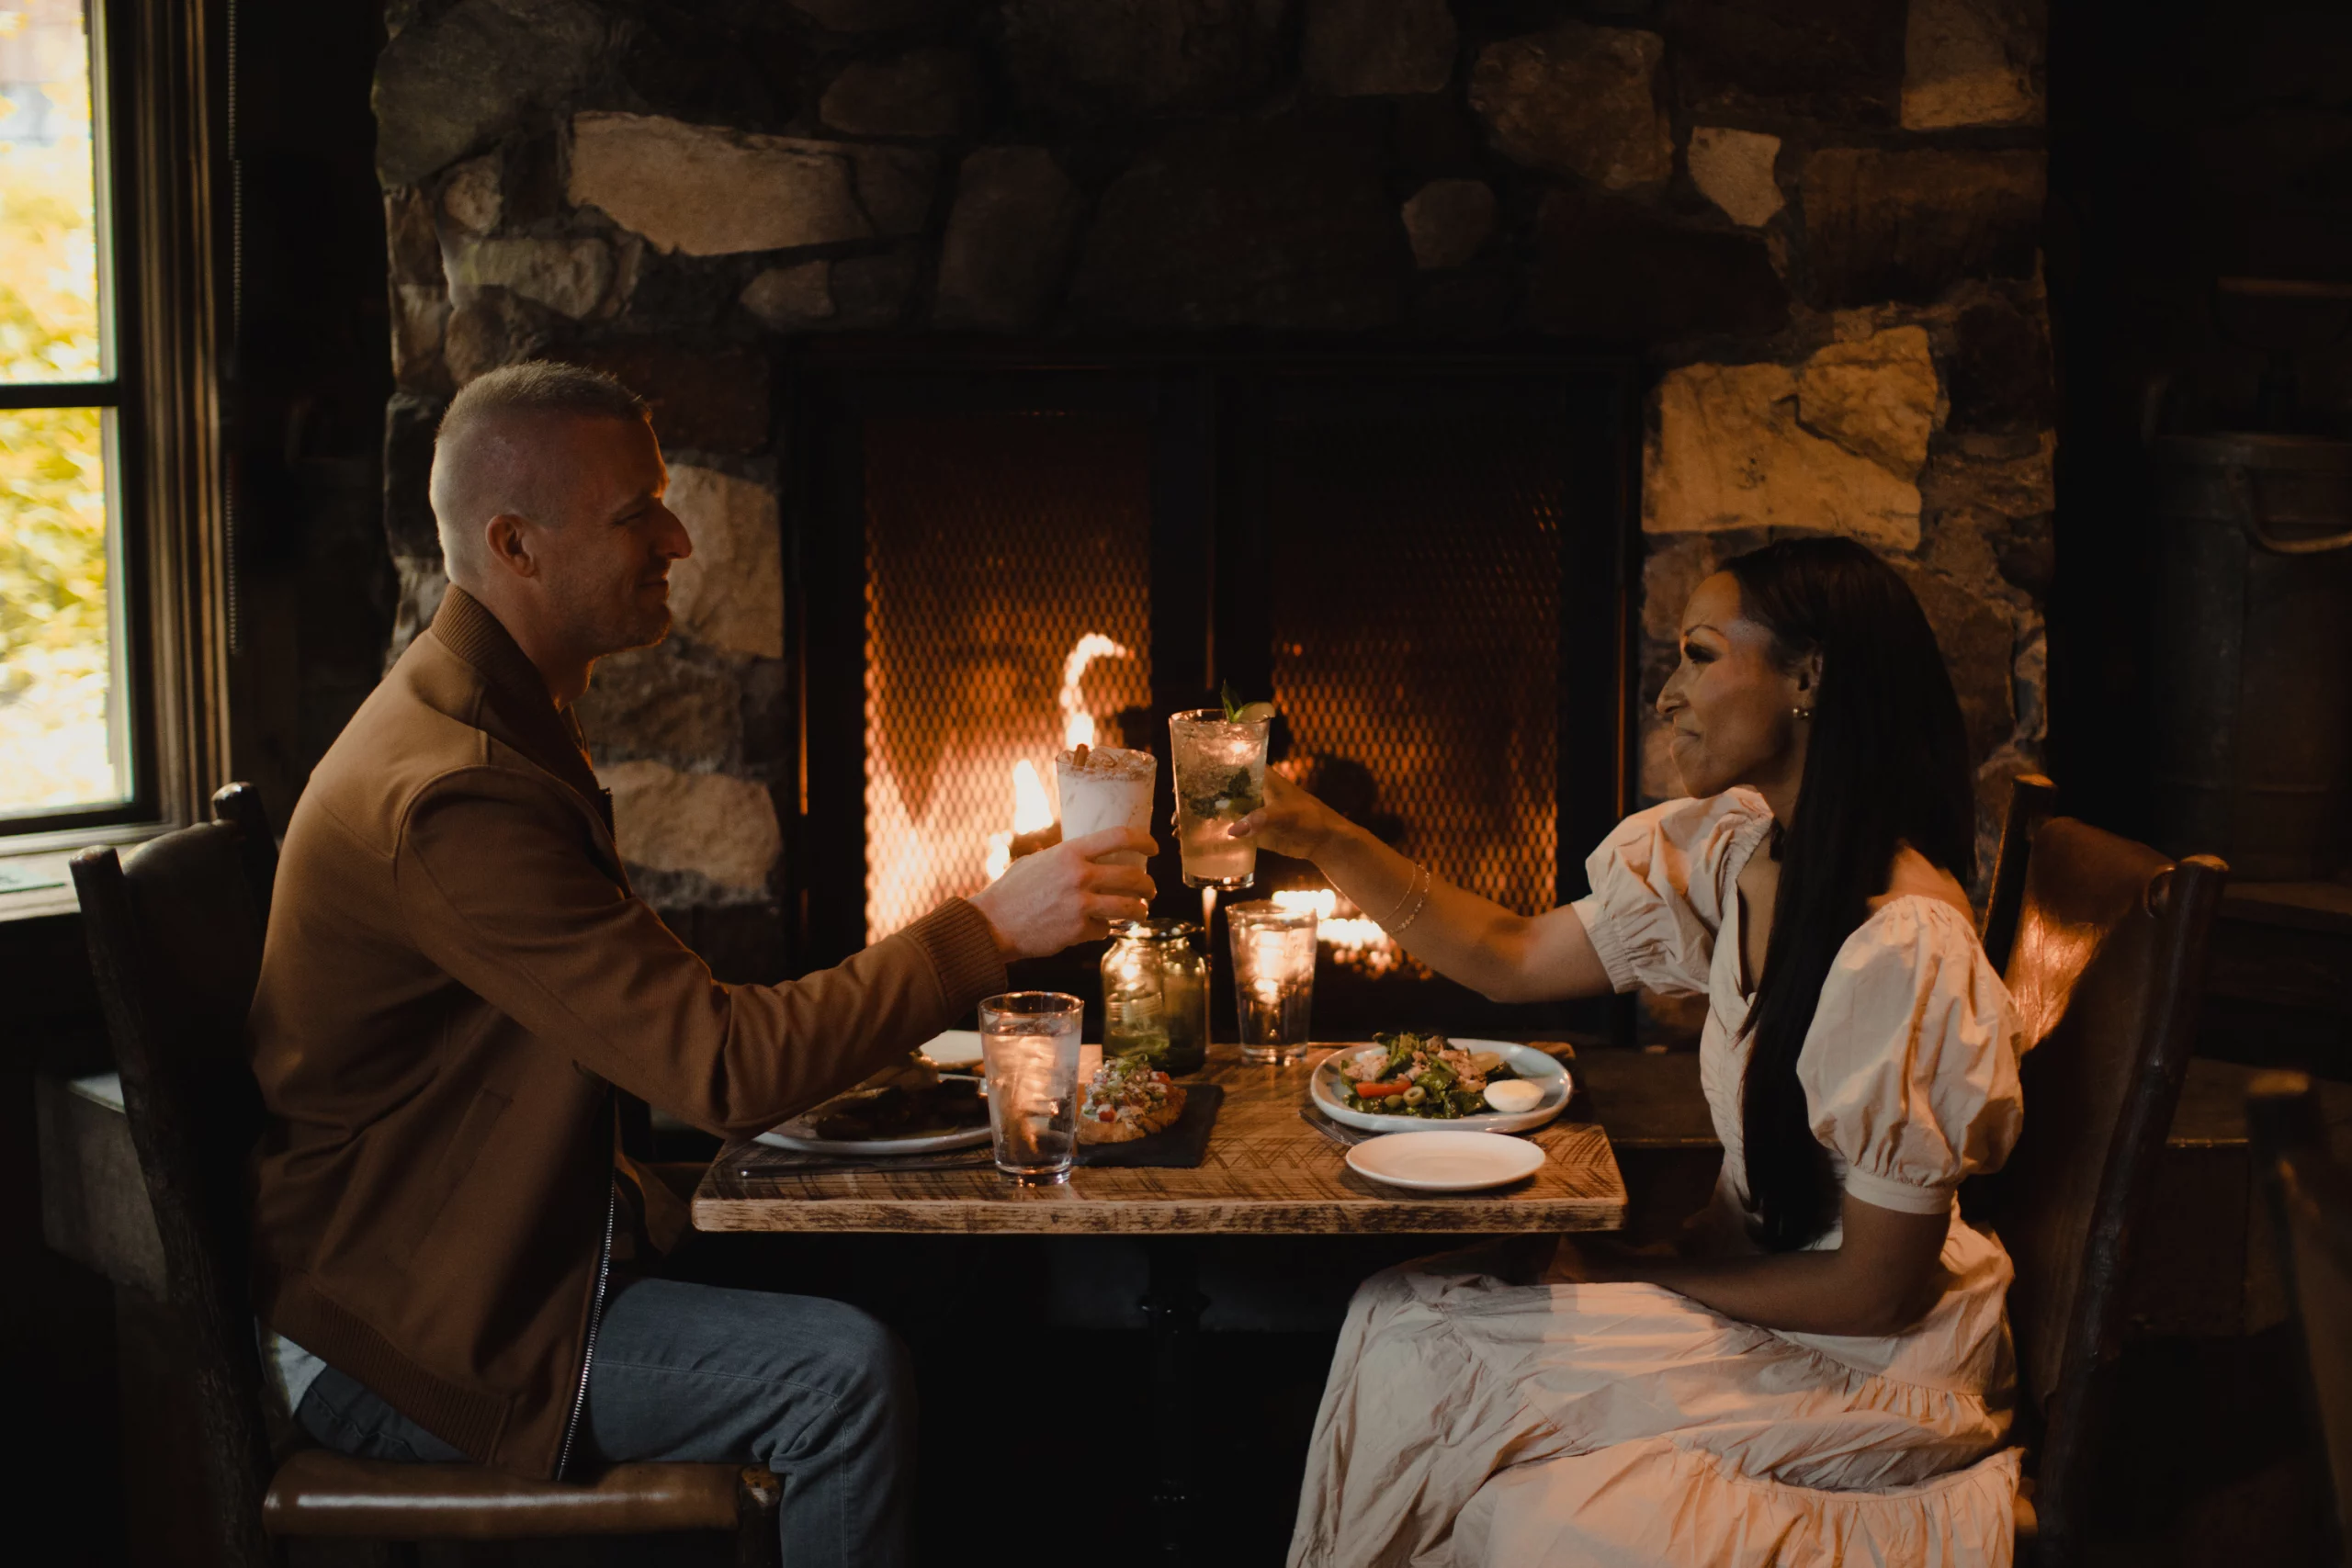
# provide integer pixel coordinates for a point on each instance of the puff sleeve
(1660, 885)
(1910, 1069)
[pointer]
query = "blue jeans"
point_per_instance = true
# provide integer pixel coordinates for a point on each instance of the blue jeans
(819, 1391)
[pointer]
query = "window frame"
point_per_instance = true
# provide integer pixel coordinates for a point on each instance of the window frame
(157, 135)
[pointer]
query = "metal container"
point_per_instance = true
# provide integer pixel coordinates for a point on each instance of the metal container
(2253, 663)
(1155, 993)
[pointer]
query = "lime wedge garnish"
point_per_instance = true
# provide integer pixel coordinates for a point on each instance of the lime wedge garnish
(1256, 713)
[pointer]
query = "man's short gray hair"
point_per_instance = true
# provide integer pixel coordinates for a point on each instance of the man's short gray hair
(478, 468)
(540, 386)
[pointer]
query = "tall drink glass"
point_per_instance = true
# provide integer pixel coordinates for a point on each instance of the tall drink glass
(1111, 788)
(1220, 778)
(1029, 1044)
(1274, 979)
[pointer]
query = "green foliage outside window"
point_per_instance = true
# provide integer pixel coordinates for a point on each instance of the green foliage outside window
(56, 673)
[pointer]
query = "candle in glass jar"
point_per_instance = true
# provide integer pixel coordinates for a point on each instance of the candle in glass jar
(1155, 993)
(1274, 975)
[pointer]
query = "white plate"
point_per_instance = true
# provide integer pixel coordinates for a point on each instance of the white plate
(1444, 1160)
(924, 1143)
(953, 1050)
(1536, 1067)
(798, 1135)
(956, 1049)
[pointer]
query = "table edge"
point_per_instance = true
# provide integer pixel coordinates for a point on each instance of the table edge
(1159, 1216)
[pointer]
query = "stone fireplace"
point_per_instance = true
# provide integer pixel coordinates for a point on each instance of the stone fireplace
(1068, 271)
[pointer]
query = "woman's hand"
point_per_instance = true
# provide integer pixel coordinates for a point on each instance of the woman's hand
(1600, 1259)
(1292, 822)
(1884, 1276)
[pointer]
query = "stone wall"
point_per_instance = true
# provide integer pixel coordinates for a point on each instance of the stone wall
(1820, 219)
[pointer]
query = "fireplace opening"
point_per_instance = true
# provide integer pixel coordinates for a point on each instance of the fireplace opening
(1008, 605)
(1426, 564)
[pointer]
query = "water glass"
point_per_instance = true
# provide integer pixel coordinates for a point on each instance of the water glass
(1274, 979)
(1029, 1045)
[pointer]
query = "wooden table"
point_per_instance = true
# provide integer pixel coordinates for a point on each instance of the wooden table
(1267, 1172)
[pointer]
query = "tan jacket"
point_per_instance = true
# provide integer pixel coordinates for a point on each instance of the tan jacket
(455, 976)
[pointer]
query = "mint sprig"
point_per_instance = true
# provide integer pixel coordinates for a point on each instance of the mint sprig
(1233, 705)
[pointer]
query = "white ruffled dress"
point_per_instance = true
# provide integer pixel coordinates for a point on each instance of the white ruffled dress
(1471, 1421)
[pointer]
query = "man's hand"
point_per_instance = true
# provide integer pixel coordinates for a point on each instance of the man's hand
(1057, 897)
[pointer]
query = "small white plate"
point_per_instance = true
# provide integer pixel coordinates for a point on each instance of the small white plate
(1330, 1093)
(1442, 1160)
(953, 1051)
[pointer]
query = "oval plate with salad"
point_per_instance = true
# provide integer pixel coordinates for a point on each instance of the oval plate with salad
(1373, 1087)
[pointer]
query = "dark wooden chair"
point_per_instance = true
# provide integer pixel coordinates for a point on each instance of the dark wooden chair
(2311, 1201)
(2106, 962)
(175, 934)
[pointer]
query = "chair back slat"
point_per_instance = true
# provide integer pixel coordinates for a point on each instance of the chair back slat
(2310, 1193)
(2033, 800)
(2106, 970)
(175, 943)
(239, 805)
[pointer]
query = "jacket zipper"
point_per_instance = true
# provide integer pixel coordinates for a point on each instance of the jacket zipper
(595, 1322)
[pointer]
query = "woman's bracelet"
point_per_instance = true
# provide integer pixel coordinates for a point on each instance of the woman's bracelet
(1403, 898)
(1420, 884)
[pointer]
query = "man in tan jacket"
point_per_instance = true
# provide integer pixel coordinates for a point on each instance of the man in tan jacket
(458, 977)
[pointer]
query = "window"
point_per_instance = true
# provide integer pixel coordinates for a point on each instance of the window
(66, 691)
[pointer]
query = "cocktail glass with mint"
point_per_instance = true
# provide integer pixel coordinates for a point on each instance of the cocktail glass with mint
(1219, 757)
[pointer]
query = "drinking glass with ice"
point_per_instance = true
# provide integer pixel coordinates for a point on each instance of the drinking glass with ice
(1029, 1045)
(1220, 765)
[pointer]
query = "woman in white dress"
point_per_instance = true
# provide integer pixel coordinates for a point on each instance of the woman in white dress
(1820, 1373)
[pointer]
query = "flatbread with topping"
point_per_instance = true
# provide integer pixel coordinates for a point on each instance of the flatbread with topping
(1128, 1098)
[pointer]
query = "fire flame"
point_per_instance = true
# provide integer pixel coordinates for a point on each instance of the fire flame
(921, 833)
(1033, 811)
(1032, 806)
(1355, 941)
(1077, 726)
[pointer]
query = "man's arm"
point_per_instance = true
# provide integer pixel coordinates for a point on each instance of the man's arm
(497, 889)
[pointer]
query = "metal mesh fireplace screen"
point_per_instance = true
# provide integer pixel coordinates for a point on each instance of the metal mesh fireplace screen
(994, 544)
(1416, 637)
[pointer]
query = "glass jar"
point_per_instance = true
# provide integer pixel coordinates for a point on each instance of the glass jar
(1155, 992)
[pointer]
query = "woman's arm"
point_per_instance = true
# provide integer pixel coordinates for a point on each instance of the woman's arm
(1886, 1271)
(1506, 956)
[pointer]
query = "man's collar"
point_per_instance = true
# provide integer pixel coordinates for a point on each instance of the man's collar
(476, 636)
(547, 733)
